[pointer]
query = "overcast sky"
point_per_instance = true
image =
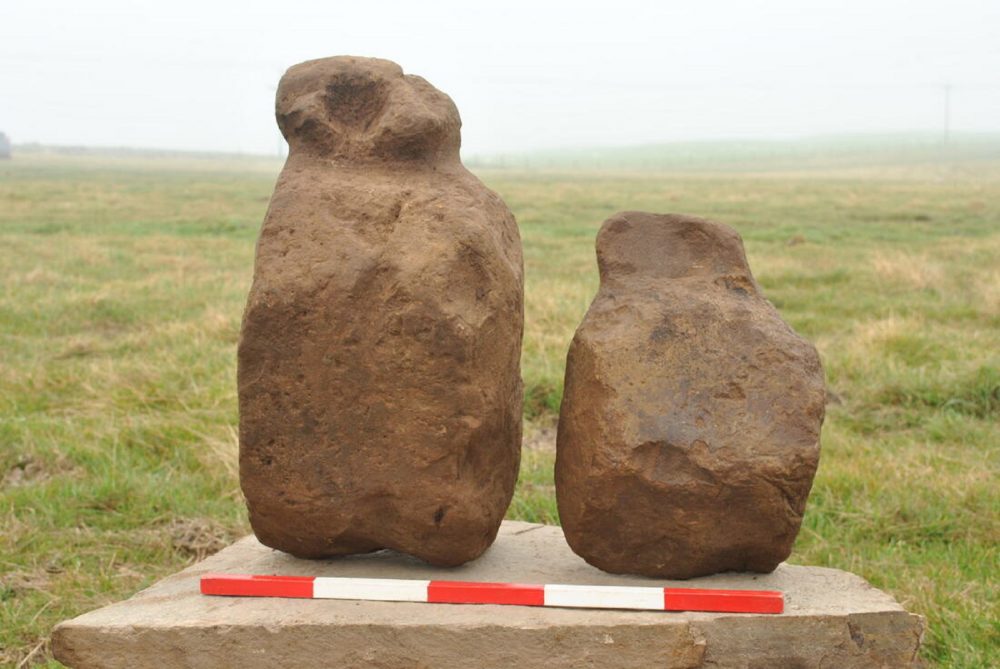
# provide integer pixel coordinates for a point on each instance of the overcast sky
(201, 75)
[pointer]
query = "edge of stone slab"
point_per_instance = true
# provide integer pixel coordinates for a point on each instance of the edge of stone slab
(875, 640)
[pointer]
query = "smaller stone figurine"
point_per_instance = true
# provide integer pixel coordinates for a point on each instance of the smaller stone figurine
(689, 430)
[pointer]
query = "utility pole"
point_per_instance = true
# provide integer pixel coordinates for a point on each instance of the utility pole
(947, 113)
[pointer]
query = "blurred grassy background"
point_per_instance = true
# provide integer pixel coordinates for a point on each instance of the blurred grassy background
(124, 279)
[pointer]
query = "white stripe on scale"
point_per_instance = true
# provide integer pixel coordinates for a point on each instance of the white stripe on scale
(604, 596)
(379, 589)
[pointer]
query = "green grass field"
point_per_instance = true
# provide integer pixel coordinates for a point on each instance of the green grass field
(123, 282)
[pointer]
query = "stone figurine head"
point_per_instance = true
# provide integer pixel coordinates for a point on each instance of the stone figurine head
(365, 110)
(632, 244)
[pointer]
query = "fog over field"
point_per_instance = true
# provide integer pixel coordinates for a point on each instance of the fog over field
(525, 75)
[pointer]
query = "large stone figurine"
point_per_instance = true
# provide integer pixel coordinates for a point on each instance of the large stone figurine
(689, 430)
(379, 382)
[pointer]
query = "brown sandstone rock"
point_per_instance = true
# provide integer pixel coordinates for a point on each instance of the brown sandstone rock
(689, 430)
(379, 383)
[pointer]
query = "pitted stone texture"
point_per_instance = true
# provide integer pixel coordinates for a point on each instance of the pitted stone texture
(379, 359)
(689, 430)
(831, 619)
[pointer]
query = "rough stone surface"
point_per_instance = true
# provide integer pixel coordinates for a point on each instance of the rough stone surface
(379, 382)
(832, 619)
(689, 431)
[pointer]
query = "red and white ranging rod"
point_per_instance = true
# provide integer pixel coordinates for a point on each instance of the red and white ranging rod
(643, 598)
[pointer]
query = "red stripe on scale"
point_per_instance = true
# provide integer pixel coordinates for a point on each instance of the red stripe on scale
(257, 585)
(465, 592)
(723, 601)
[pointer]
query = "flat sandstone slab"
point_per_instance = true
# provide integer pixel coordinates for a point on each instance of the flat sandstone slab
(832, 619)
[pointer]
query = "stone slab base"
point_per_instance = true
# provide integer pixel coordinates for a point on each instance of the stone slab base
(832, 620)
